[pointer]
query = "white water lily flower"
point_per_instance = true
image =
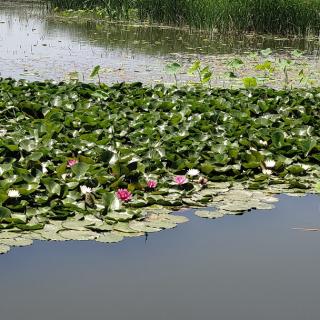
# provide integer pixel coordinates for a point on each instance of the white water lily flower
(44, 169)
(193, 172)
(267, 171)
(3, 132)
(85, 189)
(263, 143)
(270, 163)
(13, 193)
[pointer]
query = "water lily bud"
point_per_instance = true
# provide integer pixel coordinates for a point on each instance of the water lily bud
(203, 181)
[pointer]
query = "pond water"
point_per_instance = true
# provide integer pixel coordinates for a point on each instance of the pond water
(36, 47)
(254, 266)
(249, 267)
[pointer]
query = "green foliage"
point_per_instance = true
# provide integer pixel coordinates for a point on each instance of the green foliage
(95, 71)
(268, 16)
(122, 135)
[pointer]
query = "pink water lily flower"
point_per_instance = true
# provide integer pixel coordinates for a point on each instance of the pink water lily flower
(180, 180)
(72, 162)
(152, 184)
(124, 195)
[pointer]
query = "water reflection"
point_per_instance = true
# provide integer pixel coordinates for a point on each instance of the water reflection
(166, 40)
(241, 267)
(35, 47)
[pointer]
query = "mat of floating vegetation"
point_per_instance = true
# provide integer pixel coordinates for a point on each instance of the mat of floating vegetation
(92, 162)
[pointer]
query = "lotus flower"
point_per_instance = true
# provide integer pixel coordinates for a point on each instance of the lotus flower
(85, 189)
(267, 172)
(180, 180)
(270, 163)
(13, 193)
(124, 195)
(193, 172)
(72, 162)
(152, 184)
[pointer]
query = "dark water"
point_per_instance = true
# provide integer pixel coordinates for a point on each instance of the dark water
(35, 47)
(246, 267)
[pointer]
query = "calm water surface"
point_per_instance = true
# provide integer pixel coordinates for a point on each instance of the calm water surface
(35, 47)
(246, 267)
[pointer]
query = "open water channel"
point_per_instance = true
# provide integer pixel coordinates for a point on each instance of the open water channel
(254, 266)
(34, 46)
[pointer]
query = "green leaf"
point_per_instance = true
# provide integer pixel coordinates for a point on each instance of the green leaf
(5, 212)
(52, 187)
(80, 169)
(277, 137)
(95, 71)
(111, 201)
(173, 68)
(250, 82)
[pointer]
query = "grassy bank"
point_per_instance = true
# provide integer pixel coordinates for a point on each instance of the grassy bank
(268, 16)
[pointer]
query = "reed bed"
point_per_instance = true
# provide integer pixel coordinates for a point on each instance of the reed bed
(262, 16)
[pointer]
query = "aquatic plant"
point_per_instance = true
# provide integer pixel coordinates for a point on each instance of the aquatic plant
(235, 140)
(180, 180)
(124, 195)
(269, 16)
(152, 184)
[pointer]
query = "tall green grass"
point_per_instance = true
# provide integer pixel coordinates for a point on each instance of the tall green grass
(263, 16)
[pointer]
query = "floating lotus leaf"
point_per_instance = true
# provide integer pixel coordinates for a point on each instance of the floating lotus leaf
(264, 206)
(236, 206)
(8, 235)
(49, 227)
(92, 219)
(100, 227)
(33, 235)
(110, 237)
(269, 199)
(119, 216)
(52, 236)
(161, 224)
(78, 235)
(4, 248)
(123, 227)
(239, 195)
(16, 242)
(142, 226)
(209, 214)
(76, 224)
(175, 219)
(131, 234)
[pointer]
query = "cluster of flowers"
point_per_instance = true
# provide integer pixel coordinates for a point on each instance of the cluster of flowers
(124, 194)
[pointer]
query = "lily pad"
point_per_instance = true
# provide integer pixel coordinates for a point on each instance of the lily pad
(4, 248)
(110, 237)
(209, 214)
(17, 242)
(142, 226)
(78, 235)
